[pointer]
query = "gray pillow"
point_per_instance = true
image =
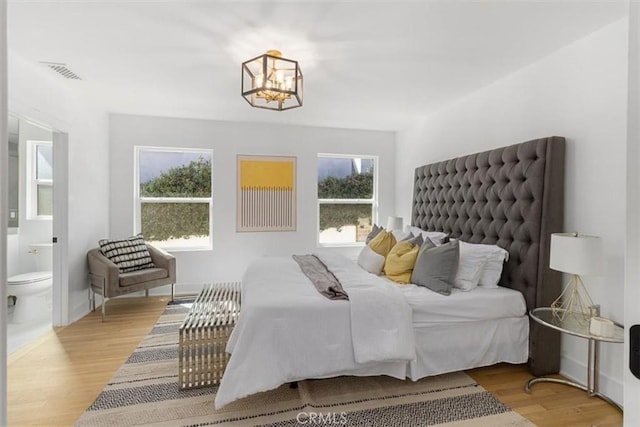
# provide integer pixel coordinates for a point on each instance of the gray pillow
(414, 240)
(436, 266)
(373, 233)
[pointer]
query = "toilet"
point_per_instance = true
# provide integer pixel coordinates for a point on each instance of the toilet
(33, 290)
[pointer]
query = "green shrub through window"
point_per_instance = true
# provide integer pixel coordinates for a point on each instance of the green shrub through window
(174, 197)
(346, 198)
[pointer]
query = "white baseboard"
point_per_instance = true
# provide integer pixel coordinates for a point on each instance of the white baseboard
(577, 371)
(81, 310)
(181, 289)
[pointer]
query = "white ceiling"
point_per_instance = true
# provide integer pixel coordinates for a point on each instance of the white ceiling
(371, 65)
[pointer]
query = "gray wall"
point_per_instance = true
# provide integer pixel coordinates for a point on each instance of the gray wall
(632, 267)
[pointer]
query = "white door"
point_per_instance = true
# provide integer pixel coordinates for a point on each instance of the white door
(60, 228)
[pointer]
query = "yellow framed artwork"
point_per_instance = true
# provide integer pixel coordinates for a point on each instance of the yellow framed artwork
(266, 199)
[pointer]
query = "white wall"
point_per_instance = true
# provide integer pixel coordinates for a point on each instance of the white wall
(38, 93)
(578, 92)
(13, 253)
(232, 251)
(632, 266)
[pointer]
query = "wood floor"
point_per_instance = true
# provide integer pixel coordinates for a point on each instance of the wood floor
(53, 380)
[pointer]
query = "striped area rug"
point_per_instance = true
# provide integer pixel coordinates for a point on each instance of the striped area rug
(144, 391)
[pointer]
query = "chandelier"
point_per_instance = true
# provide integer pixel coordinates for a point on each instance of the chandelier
(272, 82)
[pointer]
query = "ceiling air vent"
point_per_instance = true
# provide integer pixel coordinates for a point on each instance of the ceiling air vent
(62, 70)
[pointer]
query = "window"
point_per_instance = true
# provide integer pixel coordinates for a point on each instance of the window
(347, 202)
(173, 206)
(40, 184)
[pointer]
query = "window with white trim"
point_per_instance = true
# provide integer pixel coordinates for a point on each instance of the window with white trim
(173, 198)
(40, 182)
(347, 198)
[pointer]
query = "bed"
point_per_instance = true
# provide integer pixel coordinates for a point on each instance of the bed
(511, 197)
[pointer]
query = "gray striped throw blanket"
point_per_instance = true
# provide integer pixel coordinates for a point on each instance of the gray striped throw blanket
(323, 279)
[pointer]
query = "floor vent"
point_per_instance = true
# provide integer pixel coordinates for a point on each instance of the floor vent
(62, 70)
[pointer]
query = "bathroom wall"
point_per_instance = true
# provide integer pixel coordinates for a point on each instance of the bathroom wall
(13, 171)
(13, 252)
(29, 231)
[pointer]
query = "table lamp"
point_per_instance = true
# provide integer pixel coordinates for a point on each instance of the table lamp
(578, 255)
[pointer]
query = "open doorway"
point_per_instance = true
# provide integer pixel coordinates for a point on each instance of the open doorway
(35, 270)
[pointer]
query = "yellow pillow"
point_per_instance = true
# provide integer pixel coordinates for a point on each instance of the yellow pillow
(399, 263)
(382, 243)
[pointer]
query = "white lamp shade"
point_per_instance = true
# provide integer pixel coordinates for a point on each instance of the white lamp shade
(394, 223)
(576, 253)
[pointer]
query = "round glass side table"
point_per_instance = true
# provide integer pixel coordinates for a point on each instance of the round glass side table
(578, 325)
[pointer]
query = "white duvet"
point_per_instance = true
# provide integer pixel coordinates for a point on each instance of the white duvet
(287, 331)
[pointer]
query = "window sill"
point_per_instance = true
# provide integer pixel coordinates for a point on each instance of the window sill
(341, 245)
(40, 218)
(192, 249)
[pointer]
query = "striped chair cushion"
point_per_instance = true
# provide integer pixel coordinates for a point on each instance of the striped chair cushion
(130, 254)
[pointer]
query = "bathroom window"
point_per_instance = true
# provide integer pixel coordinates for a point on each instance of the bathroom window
(40, 183)
(347, 198)
(173, 200)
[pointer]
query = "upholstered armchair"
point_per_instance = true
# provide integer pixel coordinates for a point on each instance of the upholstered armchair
(107, 279)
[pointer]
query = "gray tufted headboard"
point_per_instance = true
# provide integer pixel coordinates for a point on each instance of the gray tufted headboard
(512, 197)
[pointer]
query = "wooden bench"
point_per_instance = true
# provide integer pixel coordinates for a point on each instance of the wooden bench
(204, 334)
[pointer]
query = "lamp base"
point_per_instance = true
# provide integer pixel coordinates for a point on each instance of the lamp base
(575, 299)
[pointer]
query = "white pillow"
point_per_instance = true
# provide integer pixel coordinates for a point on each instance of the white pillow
(470, 267)
(436, 236)
(371, 261)
(401, 235)
(495, 256)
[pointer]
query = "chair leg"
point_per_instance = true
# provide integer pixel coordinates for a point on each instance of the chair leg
(104, 307)
(92, 298)
(146, 293)
(173, 291)
(104, 300)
